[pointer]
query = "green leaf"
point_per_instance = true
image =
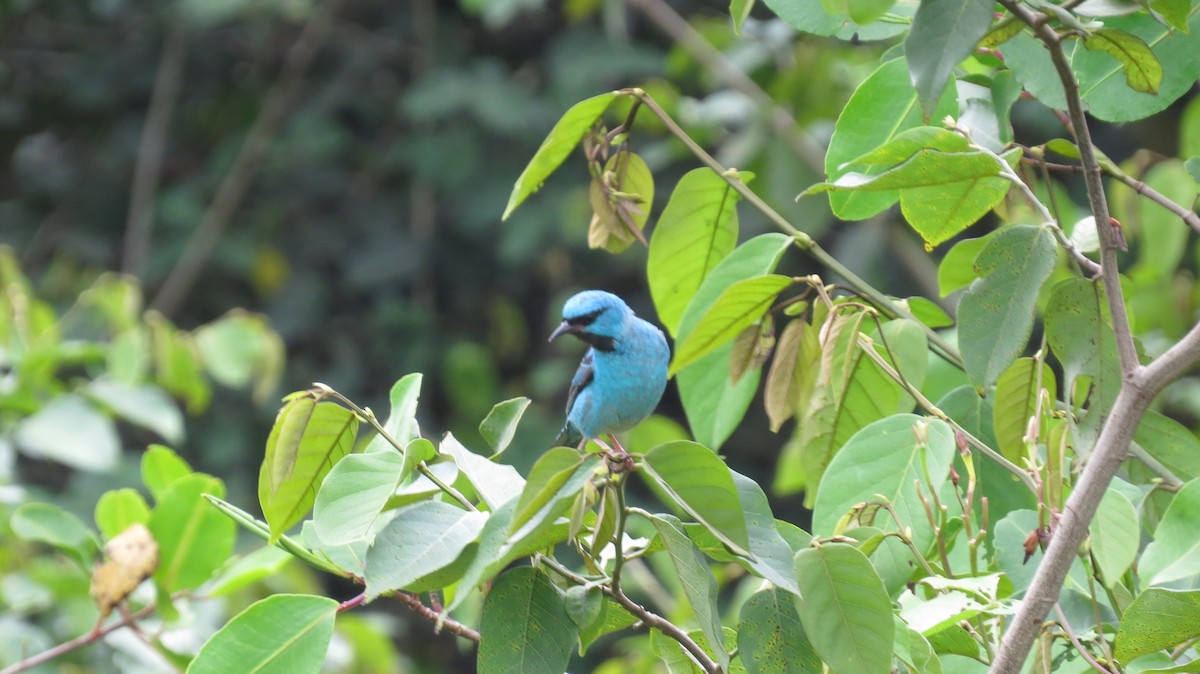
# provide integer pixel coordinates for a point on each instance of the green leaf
(525, 628)
(696, 230)
(698, 583)
(739, 11)
(496, 483)
(563, 138)
(772, 554)
(71, 431)
(263, 562)
(1074, 328)
(353, 496)
(194, 539)
(741, 305)
(47, 523)
(845, 611)
(1115, 536)
(420, 540)
(401, 423)
(1106, 86)
(915, 651)
(631, 195)
(117, 509)
(996, 314)
(239, 350)
(583, 604)
(698, 481)
(771, 638)
(811, 16)
(612, 617)
(500, 425)
(1157, 619)
(884, 459)
(160, 467)
(1143, 72)
(957, 268)
(713, 404)
(145, 406)
(1172, 443)
(284, 634)
(941, 193)
(883, 106)
(1175, 551)
(286, 543)
(308, 438)
(1015, 401)
(497, 549)
(944, 32)
(546, 478)
(866, 11)
(1162, 238)
(1174, 11)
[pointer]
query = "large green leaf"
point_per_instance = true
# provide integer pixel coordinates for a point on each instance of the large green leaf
(500, 425)
(308, 438)
(698, 228)
(47, 523)
(1015, 401)
(146, 406)
(497, 549)
(845, 610)
(354, 494)
(943, 33)
(882, 107)
(1162, 238)
(1172, 443)
(698, 583)
(401, 423)
(957, 268)
(884, 459)
(1157, 619)
(421, 539)
(496, 483)
(117, 509)
(772, 554)
(194, 539)
(525, 628)
(1115, 536)
(283, 634)
(771, 638)
(995, 316)
(563, 138)
(546, 478)
(160, 467)
(1104, 82)
(1175, 551)
(715, 405)
(698, 481)
(71, 431)
(741, 305)
(812, 16)
(941, 193)
(548, 504)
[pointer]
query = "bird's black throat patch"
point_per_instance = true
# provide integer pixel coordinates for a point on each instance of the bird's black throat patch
(599, 342)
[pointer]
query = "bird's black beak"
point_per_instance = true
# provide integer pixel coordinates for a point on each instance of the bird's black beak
(563, 327)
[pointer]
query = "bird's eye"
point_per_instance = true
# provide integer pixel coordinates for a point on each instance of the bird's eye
(586, 319)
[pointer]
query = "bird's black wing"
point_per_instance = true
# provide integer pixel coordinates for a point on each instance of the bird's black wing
(583, 377)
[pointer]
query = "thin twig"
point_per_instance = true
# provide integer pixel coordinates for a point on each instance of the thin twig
(1189, 216)
(1066, 626)
(153, 144)
(683, 34)
(250, 158)
(82, 640)
(801, 239)
(449, 624)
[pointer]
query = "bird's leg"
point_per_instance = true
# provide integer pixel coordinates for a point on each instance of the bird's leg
(619, 460)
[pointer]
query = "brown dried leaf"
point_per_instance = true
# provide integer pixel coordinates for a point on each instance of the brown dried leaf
(752, 348)
(782, 394)
(132, 558)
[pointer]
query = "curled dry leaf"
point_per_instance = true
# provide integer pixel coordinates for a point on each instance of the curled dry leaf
(132, 558)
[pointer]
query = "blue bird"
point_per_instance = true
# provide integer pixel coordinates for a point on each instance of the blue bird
(621, 378)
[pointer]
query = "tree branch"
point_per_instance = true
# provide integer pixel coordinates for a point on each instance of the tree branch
(250, 158)
(449, 624)
(128, 620)
(148, 171)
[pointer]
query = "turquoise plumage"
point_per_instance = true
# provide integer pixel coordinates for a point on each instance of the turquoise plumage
(621, 378)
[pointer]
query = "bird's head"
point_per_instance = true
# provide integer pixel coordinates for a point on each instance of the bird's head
(594, 316)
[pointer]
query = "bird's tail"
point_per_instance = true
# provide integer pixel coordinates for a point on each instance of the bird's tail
(569, 436)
